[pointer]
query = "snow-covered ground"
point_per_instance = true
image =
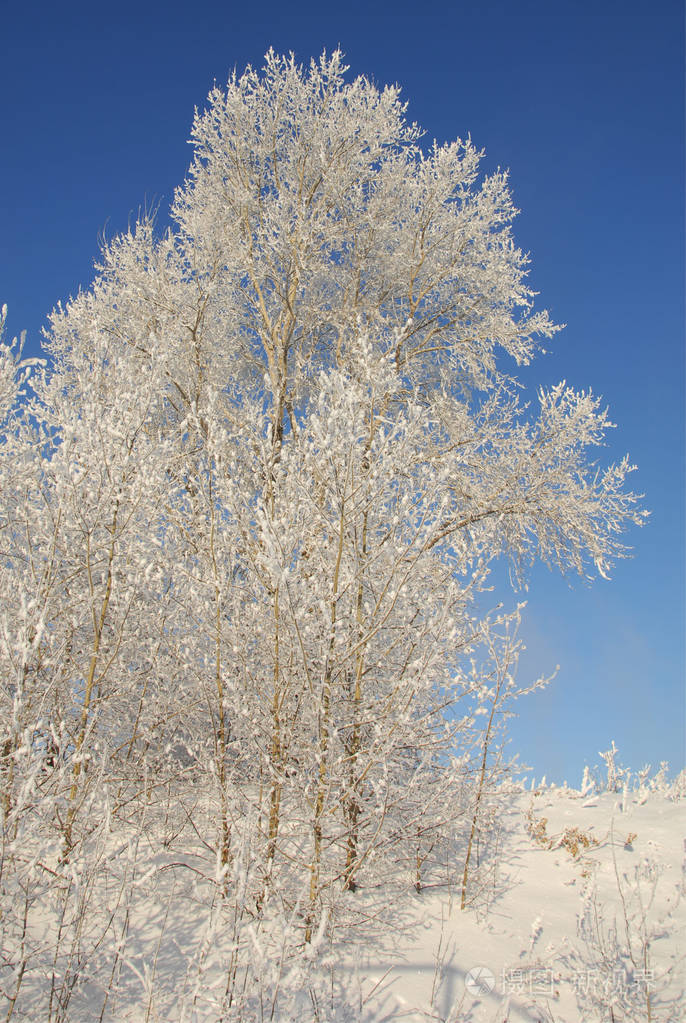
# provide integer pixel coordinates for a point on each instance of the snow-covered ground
(587, 915)
(578, 915)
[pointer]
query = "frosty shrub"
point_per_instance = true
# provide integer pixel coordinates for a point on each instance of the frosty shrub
(249, 509)
(613, 959)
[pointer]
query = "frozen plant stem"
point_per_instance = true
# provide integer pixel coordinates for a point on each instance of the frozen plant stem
(98, 626)
(324, 726)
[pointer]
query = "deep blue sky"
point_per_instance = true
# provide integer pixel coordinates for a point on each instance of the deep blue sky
(582, 101)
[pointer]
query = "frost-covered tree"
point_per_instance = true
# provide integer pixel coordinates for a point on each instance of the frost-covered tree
(285, 449)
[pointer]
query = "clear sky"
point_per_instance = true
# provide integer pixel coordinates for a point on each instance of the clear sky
(583, 101)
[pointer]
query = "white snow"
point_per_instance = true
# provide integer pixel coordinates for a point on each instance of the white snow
(580, 915)
(527, 939)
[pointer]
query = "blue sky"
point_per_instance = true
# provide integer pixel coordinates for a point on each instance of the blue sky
(582, 101)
